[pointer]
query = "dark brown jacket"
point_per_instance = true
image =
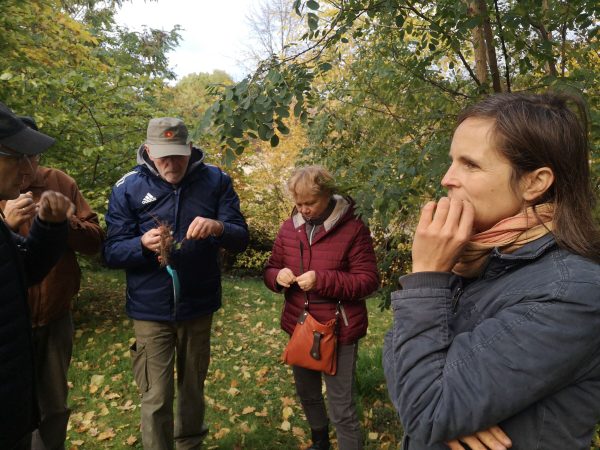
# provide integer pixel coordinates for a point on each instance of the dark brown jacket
(51, 299)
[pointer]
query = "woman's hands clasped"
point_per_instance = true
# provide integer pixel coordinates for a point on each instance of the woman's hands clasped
(306, 281)
(443, 231)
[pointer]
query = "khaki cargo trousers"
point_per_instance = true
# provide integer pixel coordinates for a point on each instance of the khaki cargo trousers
(161, 347)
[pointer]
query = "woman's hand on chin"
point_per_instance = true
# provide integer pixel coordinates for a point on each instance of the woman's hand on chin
(443, 231)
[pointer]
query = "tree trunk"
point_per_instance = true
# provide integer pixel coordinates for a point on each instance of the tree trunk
(480, 53)
(490, 45)
(547, 37)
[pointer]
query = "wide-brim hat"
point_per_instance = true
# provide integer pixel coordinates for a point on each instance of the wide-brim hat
(17, 136)
(167, 136)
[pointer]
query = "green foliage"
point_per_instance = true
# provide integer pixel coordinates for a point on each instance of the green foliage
(252, 261)
(89, 84)
(258, 107)
(386, 80)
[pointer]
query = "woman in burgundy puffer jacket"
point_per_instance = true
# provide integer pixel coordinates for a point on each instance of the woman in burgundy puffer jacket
(338, 264)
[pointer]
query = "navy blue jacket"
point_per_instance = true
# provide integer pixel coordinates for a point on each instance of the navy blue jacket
(518, 347)
(142, 200)
(21, 265)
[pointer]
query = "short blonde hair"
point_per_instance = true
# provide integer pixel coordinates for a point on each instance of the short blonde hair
(314, 179)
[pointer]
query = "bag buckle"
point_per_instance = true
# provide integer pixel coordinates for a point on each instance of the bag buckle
(302, 317)
(314, 351)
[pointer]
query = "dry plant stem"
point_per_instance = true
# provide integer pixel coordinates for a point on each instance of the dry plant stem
(166, 242)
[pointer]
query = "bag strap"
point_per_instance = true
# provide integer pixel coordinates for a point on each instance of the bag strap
(302, 270)
(339, 303)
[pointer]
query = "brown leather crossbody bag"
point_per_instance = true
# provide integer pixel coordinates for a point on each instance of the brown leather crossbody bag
(313, 344)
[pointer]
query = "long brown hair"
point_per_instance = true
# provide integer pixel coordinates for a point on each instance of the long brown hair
(541, 130)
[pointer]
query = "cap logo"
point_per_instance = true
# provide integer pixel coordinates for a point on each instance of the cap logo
(169, 134)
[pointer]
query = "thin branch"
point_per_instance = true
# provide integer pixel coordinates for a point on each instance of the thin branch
(449, 38)
(504, 51)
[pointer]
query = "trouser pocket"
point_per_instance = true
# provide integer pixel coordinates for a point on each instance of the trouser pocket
(139, 360)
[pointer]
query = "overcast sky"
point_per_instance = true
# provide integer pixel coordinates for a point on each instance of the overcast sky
(214, 31)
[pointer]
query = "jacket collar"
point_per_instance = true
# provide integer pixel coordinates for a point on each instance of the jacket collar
(502, 262)
(341, 207)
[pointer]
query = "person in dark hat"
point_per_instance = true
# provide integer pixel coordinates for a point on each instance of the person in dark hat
(50, 300)
(23, 261)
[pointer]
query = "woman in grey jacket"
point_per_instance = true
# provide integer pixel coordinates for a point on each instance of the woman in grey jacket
(499, 321)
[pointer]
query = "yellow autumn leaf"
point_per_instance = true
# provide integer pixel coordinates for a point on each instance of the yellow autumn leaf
(285, 426)
(131, 440)
(287, 413)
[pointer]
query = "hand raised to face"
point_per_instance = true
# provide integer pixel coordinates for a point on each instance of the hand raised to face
(443, 231)
(54, 207)
(20, 210)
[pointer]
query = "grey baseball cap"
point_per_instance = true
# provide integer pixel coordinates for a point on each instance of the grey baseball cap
(17, 136)
(167, 136)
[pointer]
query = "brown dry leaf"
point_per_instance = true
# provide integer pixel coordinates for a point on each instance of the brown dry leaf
(222, 433)
(106, 435)
(131, 440)
(234, 383)
(128, 406)
(233, 391)
(262, 372)
(373, 436)
(288, 401)
(263, 413)
(248, 410)
(112, 396)
(117, 377)
(93, 432)
(77, 443)
(103, 409)
(298, 432)
(244, 428)
(285, 426)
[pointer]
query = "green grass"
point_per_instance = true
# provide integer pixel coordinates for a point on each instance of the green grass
(250, 393)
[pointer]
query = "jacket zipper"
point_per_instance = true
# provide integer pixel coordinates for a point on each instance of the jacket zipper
(456, 297)
(344, 317)
(175, 227)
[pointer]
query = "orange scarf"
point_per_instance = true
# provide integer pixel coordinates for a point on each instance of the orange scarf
(508, 235)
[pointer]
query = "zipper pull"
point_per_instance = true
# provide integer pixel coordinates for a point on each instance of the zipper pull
(456, 297)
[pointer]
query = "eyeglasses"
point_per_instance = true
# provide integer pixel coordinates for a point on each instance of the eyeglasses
(19, 157)
(12, 153)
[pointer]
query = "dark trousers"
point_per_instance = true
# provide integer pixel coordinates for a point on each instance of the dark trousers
(53, 347)
(341, 389)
